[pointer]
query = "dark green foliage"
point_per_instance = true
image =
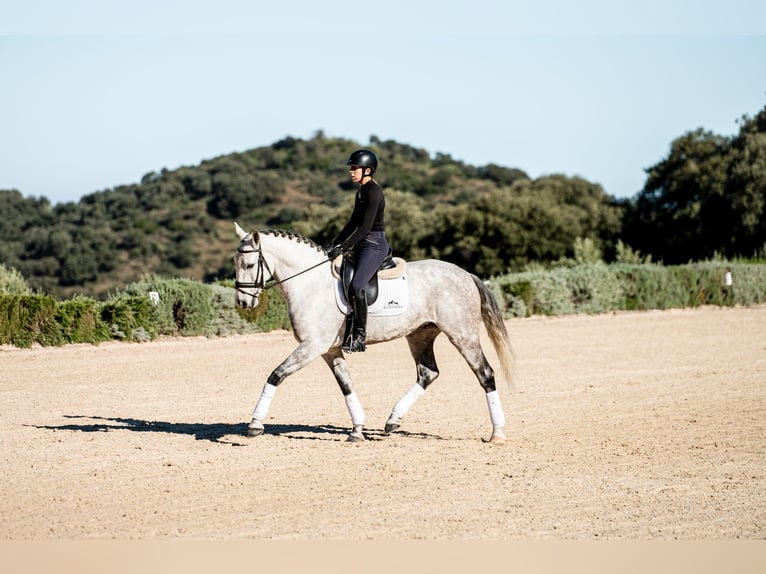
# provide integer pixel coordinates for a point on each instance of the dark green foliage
(39, 319)
(531, 221)
(130, 317)
(81, 321)
(170, 222)
(502, 176)
(184, 308)
(706, 198)
(29, 319)
(236, 192)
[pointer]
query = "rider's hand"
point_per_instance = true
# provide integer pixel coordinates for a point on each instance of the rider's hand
(334, 251)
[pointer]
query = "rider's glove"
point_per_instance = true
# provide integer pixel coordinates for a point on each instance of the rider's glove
(334, 251)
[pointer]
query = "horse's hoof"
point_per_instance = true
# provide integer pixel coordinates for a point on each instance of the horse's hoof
(356, 437)
(255, 428)
(392, 424)
(356, 434)
(498, 437)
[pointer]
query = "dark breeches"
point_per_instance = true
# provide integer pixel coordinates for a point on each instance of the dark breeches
(370, 253)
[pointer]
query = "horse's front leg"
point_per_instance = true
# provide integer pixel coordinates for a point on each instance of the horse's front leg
(299, 358)
(337, 363)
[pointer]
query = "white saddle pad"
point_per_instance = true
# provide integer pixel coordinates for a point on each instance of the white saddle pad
(392, 298)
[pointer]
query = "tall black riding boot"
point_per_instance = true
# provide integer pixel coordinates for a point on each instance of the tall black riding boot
(356, 344)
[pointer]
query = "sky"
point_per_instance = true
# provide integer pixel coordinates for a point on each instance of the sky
(95, 94)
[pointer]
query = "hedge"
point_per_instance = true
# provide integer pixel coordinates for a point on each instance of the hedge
(157, 307)
(145, 310)
(599, 288)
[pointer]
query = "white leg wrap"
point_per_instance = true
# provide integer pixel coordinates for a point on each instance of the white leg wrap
(495, 410)
(262, 408)
(409, 398)
(355, 409)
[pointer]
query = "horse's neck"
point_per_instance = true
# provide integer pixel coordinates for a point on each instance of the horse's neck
(287, 257)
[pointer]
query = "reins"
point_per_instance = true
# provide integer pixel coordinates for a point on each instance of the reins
(259, 282)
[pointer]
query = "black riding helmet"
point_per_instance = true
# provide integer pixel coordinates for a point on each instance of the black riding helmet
(364, 158)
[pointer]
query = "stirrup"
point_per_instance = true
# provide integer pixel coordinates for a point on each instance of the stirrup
(355, 345)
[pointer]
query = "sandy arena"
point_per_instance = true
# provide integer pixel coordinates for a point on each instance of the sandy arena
(647, 425)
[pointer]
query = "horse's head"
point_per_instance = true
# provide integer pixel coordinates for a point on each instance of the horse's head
(248, 268)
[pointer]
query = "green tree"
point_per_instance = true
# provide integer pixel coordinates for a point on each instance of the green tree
(707, 196)
(536, 220)
(746, 187)
(671, 216)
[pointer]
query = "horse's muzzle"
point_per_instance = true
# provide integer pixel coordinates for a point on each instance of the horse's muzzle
(247, 301)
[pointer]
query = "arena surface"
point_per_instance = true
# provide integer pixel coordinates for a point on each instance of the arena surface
(646, 425)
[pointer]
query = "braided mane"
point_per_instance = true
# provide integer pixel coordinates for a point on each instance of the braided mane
(294, 237)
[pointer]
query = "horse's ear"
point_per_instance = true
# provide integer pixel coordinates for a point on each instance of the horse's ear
(241, 233)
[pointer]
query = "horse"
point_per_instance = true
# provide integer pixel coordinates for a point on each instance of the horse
(442, 298)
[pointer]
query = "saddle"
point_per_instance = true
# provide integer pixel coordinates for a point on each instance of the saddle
(344, 268)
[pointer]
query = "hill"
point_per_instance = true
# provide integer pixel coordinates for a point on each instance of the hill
(706, 198)
(179, 222)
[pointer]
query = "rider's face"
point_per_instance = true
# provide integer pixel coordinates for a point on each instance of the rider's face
(356, 173)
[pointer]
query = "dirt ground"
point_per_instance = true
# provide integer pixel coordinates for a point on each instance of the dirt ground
(648, 425)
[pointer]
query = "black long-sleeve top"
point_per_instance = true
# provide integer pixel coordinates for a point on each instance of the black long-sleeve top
(369, 207)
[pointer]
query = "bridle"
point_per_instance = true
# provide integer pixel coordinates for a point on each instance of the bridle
(260, 281)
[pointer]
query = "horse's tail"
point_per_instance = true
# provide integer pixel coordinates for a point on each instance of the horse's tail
(498, 334)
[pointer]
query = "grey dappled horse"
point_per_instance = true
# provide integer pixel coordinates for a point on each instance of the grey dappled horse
(443, 298)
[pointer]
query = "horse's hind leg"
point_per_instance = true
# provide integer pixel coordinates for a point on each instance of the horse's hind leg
(421, 342)
(470, 348)
(337, 363)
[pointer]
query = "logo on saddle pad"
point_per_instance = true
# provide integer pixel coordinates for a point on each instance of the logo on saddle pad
(386, 292)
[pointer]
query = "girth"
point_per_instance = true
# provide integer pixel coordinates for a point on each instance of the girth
(348, 268)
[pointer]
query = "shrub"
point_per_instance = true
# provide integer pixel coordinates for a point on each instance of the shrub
(129, 317)
(594, 288)
(537, 292)
(80, 321)
(649, 287)
(189, 308)
(28, 319)
(748, 283)
(12, 282)
(599, 288)
(518, 295)
(626, 254)
(707, 283)
(271, 312)
(227, 320)
(185, 307)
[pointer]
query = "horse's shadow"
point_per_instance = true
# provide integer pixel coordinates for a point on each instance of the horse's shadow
(223, 433)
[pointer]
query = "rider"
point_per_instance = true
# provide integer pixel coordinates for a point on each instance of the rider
(365, 236)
